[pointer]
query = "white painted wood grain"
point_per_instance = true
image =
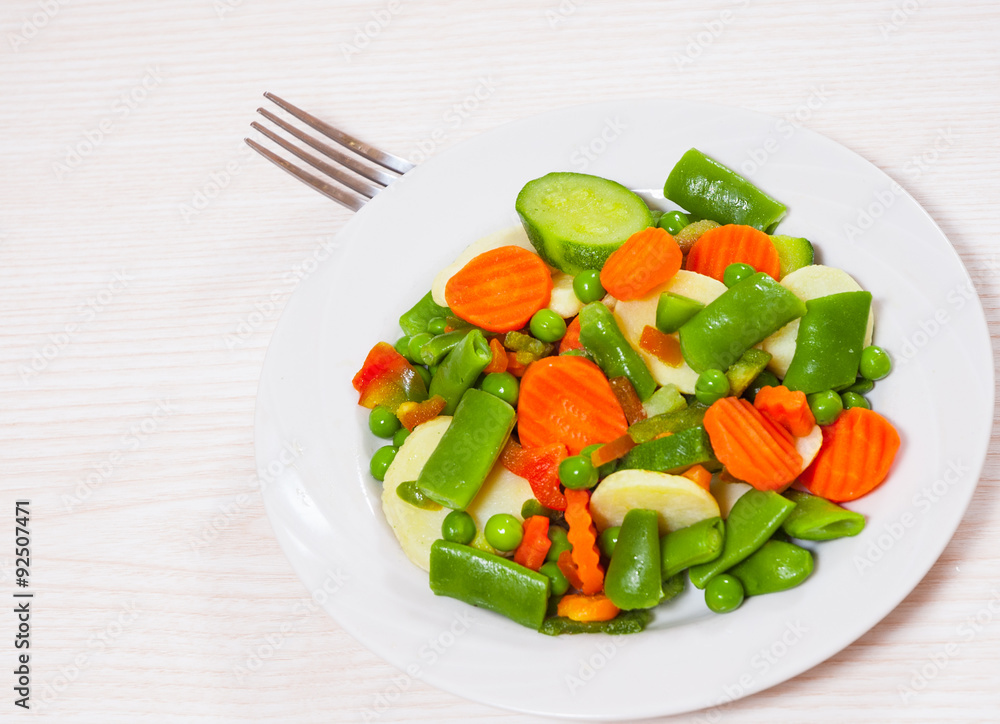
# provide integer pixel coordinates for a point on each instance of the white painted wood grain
(156, 589)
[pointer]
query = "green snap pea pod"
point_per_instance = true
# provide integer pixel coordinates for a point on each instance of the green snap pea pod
(432, 352)
(417, 318)
(627, 622)
(710, 190)
(460, 369)
(776, 566)
(600, 334)
(816, 518)
(829, 343)
(745, 314)
(754, 517)
(458, 467)
(489, 581)
(691, 546)
(633, 578)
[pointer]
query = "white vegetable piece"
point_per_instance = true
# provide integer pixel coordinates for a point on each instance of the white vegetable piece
(564, 301)
(678, 502)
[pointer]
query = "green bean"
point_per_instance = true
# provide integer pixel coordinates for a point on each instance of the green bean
(775, 566)
(460, 369)
(600, 334)
(419, 316)
(691, 546)
(815, 518)
(433, 351)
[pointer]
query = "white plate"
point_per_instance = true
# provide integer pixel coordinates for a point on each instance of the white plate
(313, 444)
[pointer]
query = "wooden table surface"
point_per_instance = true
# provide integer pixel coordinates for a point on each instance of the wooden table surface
(146, 255)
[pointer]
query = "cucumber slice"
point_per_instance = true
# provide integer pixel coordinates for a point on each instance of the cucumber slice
(793, 253)
(575, 221)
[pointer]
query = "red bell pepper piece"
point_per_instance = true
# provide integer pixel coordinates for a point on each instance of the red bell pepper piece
(540, 467)
(535, 544)
(387, 379)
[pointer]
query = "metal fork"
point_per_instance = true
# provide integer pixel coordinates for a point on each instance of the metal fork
(357, 181)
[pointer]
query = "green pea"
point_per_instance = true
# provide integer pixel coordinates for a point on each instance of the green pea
(764, 379)
(875, 363)
(458, 527)
(547, 326)
(416, 342)
(587, 286)
(402, 345)
(437, 325)
(673, 221)
(607, 540)
(425, 374)
(560, 542)
(382, 422)
(724, 593)
(503, 531)
(711, 385)
(558, 584)
(381, 461)
(853, 399)
(736, 273)
(400, 437)
(532, 508)
(826, 406)
(501, 384)
(577, 473)
(606, 469)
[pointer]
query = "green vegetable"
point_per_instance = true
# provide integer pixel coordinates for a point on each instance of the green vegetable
(710, 386)
(736, 273)
(853, 399)
(400, 437)
(425, 374)
(862, 386)
(826, 406)
(684, 419)
(666, 399)
(606, 541)
(654, 216)
(673, 310)
(741, 317)
(673, 221)
(503, 385)
(410, 493)
(724, 593)
(764, 379)
(489, 581)
(754, 517)
(747, 370)
(776, 566)
(381, 461)
(606, 469)
(460, 369)
(417, 341)
(547, 326)
(560, 542)
(558, 583)
(458, 467)
(670, 454)
(419, 316)
(503, 531)
(673, 587)
(382, 422)
(575, 221)
(437, 325)
(600, 334)
(458, 527)
(633, 577)
(829, 343)
(587, 286)
(627, 622)
(815, 518)
(691, 546)
(434, 350)
(402, 345)
(708, 189)
(577, 472)
(532, 507)
(875, 363)
(793, 253)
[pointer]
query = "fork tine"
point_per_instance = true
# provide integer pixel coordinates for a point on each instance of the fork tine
(382, 158)
(330, 191)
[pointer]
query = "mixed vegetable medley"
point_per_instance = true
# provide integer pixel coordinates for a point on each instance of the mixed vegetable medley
(589, 410)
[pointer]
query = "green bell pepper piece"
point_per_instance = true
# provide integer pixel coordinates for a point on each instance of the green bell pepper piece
(458, 467)
(670, 454)
(710, 190)
(633, 577)
(829, 343)
(683, 419)
(691, 546)
(460, 369)
(627, 622)
(600, 334)
(745, 370)
(754, 517)
(673, 310)
(742, 316)
(489, 581)
(776, 566)
(816, 518)
(415, 320)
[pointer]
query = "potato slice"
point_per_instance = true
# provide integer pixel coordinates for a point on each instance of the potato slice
(514, 236)
(809, 282)
(634, 315)
(808, 445)
(678, 501)
(726, 493)
(564, 301)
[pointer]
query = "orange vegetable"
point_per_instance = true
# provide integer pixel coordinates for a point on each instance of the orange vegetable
(535, 544)
(513, 366)
(571, 340)
(612, 450)
(858, 450)
(628, 399)
(752, 446)
(583, 537)
(569, 569)
(500, 289)
(665, 347)
(730, 244)
(578, 607)
(646, 260)
(411, 414)
(567, 400)
(499, 361)
(540, 467)
(699, 475)
(787, 408)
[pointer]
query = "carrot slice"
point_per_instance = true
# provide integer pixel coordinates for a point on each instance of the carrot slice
(540, 467)
(753, 447)
(411, 414)
(665, 347)
(613, 450)
(569, 569)
(646, 260)
(567, 400)
(582, 536)
(787, 408)
(628, 399)
(699, 475)
(500, 289)
(499, 361)
(858, 450)
(579, 607)
(571, 340)
(730, 244)
(535, 544)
